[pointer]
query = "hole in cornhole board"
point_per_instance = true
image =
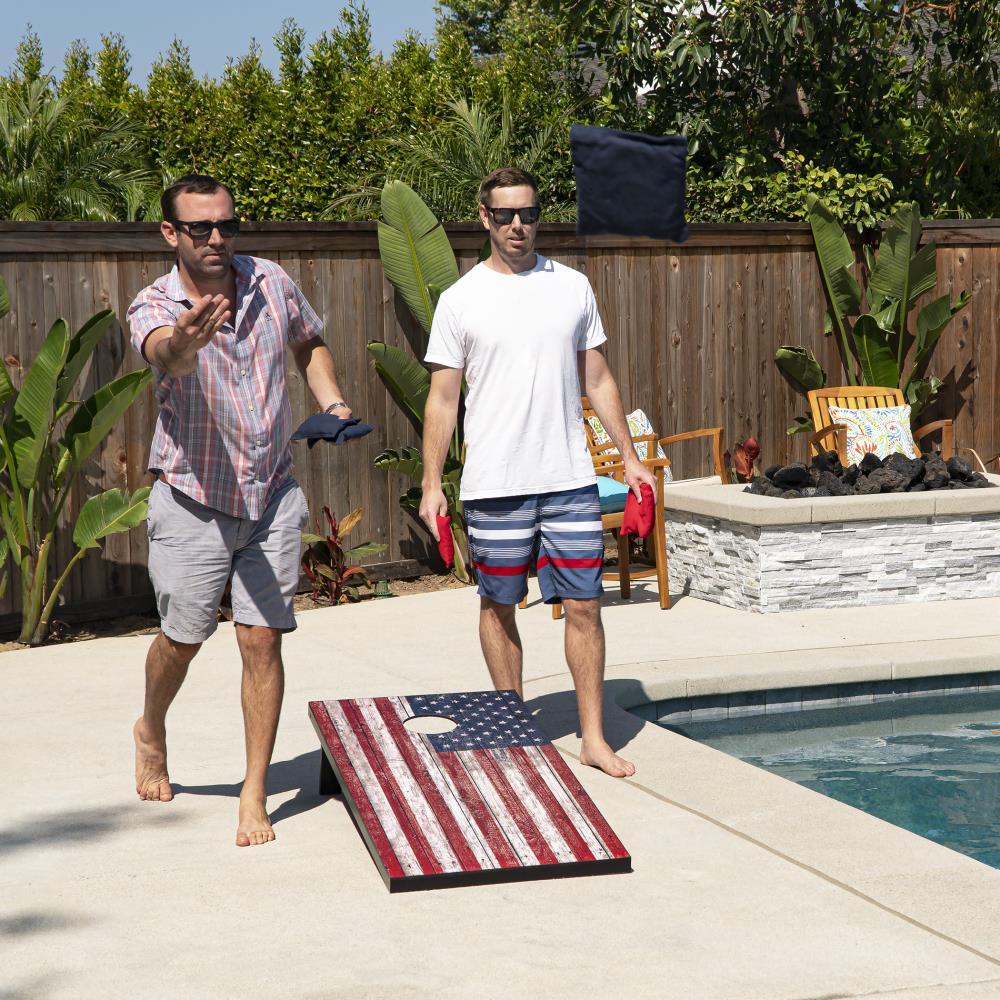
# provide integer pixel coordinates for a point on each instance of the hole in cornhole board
(430, 724)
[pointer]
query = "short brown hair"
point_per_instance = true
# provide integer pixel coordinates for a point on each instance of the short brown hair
(506, 177)
(189, 184)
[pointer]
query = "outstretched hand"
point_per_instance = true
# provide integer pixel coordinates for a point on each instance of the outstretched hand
(196, 326)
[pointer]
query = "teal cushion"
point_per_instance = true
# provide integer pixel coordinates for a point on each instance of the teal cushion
(613, 495)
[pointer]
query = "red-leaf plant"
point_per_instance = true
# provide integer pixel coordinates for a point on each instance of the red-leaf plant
(332, 570)
(740, 464)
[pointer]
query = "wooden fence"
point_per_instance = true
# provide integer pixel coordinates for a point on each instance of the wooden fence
(692, 334)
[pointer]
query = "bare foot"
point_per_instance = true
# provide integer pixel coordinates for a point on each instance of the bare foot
(598, 754)
(255, 827)
(151, 780)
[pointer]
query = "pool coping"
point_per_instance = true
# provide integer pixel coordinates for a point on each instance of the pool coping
(946, 893)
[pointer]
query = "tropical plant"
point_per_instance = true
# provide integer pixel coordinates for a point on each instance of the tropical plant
(740, 463)
(46, 436)
(877, 342)
(333, 570)
(57, 161)
(420, 263)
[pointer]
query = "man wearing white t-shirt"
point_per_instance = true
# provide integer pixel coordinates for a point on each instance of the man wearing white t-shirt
(524, 331)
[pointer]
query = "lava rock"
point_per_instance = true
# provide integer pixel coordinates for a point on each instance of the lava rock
(758, 487)
(829, 461)
(870, 463)
(958, 468)
(773, 491)
(918, 488)
(822, 491)
(936, 475)
(889, 481)
(791, 476)
(791, 495)
(809, 491)
(960, 484)
(866, 485)
(834, 487)
(850, 475)
(979, 480)
(911, 468)
(814, 475)
(770, 471)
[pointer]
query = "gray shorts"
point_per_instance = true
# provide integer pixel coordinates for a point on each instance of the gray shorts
(194, 550)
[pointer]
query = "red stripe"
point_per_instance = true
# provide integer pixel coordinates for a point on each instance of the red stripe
(585, 803)
(484, 819)
(535, 838)
(408, 822)
(502, 570)
(555, 812)
(418, 768)
(570, 563)
(356, 789)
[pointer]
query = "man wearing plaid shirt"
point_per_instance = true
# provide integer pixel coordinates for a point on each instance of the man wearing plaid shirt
(224, 505)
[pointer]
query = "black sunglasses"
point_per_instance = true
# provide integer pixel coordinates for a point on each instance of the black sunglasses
(505, 216)
(202, 228)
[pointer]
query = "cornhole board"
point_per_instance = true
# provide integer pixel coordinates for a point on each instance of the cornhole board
(490, 801)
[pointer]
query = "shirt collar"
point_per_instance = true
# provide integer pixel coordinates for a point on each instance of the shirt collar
(246, 276)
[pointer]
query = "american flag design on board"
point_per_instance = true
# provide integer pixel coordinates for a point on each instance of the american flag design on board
(491, 800)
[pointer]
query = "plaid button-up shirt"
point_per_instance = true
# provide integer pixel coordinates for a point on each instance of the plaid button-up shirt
(223, 434)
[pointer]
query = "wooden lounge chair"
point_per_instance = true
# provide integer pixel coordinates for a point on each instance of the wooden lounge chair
(607, 462)
(831, 436)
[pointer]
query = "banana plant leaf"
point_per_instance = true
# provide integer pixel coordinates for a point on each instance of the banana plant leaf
(902, 272)
(875, 352)
(95, 417)
(803, 424)
(414, 249)
(4, 299)
(931, 321)
(81, 346)
(800, 367)
(407, 380)
(33, 411)
(107, 513)
(406, 461)
(835, 260)
(921, 391)
(6, 386)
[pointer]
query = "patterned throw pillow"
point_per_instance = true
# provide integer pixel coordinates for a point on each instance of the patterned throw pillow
(638, 426)
(882, 430)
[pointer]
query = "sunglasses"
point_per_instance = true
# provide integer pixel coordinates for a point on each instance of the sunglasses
(202, 228)
(505, 216)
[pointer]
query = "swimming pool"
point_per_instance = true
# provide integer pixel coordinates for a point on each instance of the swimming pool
(928, 764)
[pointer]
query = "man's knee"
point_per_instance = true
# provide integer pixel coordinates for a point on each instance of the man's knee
(260, 645)
(503, 613)
(178, 652)
(583, 613)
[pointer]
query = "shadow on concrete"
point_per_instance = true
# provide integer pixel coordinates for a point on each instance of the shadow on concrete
(556, 713)
(300, 774)
(37, 922)
(35, 988)
(76, 826)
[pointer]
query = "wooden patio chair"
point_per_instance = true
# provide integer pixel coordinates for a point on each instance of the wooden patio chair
(607, 462)
(831, 436)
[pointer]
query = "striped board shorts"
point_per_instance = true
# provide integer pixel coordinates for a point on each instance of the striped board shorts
(559, 533)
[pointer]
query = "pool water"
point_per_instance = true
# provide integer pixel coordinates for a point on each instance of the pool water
(930, 765)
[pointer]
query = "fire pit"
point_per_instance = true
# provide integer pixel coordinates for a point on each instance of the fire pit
(826, 477)
(763, 553)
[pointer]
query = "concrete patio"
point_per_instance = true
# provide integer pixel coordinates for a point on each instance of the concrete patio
(745, 886)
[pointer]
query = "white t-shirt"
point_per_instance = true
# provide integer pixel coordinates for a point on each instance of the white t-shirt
(517, 336)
